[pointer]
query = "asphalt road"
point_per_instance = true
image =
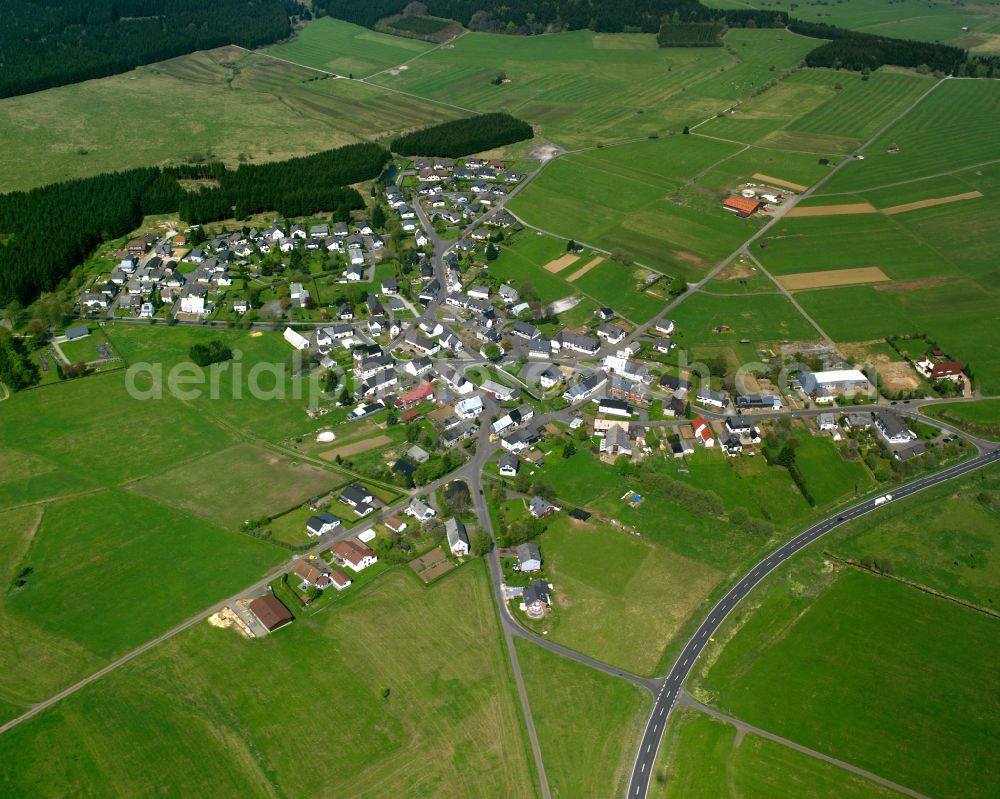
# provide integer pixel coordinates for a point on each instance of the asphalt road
(667, 695)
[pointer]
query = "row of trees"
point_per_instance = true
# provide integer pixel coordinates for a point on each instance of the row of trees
(857, 51)
(464, 136)
(51, 229)
(690, 34)
(534, 16)
(45, 44)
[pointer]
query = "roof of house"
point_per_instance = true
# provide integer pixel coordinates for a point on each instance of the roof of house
(580, 513)
(455, 530)
(947, 369)
(351, 551)
(538, 591)
(527, 551)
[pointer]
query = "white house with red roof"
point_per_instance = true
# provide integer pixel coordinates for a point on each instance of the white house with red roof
(703, 432)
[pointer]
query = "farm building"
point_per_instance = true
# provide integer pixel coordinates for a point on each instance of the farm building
(742, 206)
(270, 612)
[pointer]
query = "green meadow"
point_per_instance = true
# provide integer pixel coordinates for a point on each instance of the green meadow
(950, 129)
(581, 757)
(400, 695)
(819, 111)
(981, 418)
(185, 109)
(620, 599)
(633, 199)
(580, 87)
(946, 538)
(760, 318)
(243, 482)
(337, 46)
(701, 758)
(804, 663)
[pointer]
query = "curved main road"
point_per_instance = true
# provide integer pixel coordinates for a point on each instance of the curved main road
(667, 695)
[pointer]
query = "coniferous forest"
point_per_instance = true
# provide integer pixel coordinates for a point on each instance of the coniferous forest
(46, 232)
(464, 136)
(45, 43)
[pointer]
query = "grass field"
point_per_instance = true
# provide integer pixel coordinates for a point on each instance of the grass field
(337, 46)
(632, 199)
(829, 476)
(239, 483)
(805, 663)
(274, 412)
(701, 759)
(580, 88)
(765, 317)
(585, 481)
(449, 726)
(946, 539)
(55, 661)
(620, 599)
(949, 130)
(186, 108)
(84, 433)
(933, 21)
(138, 568)
(820, 111)
(980, 418)
(581, 757)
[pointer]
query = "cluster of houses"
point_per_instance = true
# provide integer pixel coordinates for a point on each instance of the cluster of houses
(456, 193)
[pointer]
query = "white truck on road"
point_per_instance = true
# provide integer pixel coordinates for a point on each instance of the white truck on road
(883, 499)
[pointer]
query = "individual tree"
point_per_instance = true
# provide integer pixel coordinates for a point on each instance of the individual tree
(480, 543)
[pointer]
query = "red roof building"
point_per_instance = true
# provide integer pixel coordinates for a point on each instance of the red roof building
(415, 396)
(270, 612)
(945, 369)
(703, 431)
(741, 205)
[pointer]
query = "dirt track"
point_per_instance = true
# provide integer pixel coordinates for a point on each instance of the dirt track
(832, 277)
(834, 210)
(585, 268)
(561, 263)
(785, 184)
(899, 209)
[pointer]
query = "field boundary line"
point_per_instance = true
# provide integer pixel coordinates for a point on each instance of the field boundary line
(363, 81)
(917, 586)
(689, 701)
(911, 180)
(438, 46)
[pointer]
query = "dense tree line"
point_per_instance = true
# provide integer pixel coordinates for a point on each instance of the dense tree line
(857, 51)
(46, 232)
(690, 34)
(16, 371)
(296, 187)
(45, 43)
(464, 136)
(539, 16)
